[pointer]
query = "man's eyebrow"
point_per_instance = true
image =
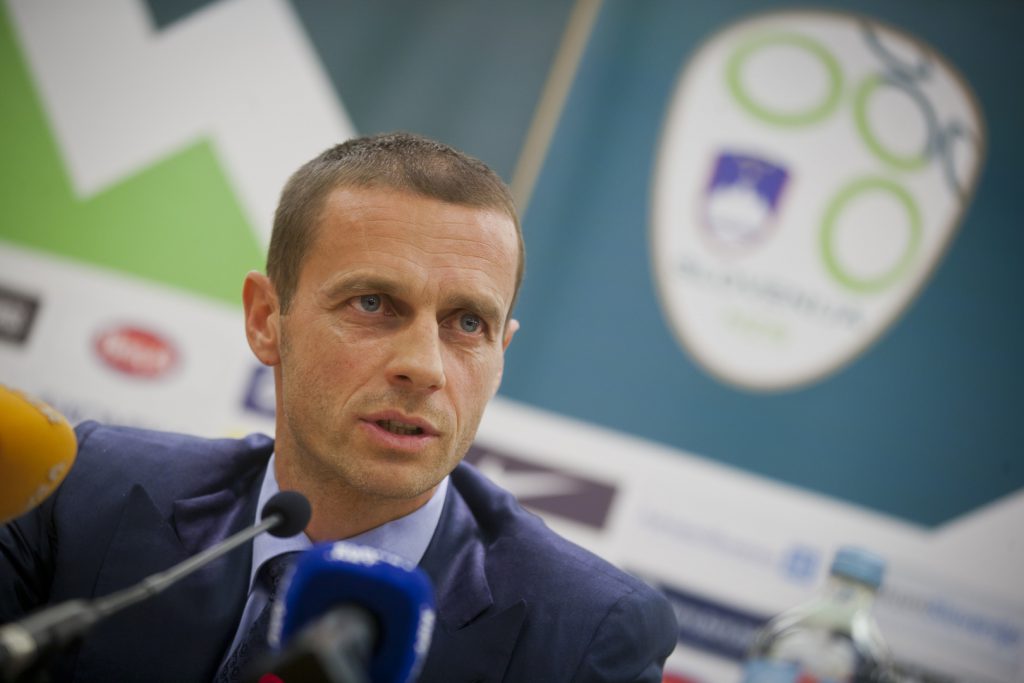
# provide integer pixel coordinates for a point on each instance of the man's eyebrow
(484, 306)
(346, 285)
(350, 284)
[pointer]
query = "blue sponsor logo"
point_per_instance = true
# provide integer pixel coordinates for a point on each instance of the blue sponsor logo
(800, 564)
(711, 626)
(259, 394)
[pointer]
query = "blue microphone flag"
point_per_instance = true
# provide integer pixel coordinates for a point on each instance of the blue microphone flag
(397, 595)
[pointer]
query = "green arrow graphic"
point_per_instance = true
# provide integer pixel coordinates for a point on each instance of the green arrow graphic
(177, 222)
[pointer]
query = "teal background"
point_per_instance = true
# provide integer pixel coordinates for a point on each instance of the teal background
(924, 425)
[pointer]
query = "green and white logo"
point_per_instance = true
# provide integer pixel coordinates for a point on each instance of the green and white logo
(814, 167)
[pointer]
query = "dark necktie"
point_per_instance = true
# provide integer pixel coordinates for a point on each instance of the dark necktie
(254, 642)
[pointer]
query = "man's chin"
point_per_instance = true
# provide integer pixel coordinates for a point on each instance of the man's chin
(401, 483)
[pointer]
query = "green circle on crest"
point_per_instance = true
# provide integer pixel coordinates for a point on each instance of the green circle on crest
(816, 113)
(904, 162)
(879, 282)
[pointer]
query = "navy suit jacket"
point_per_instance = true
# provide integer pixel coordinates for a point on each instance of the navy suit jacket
(516, 602)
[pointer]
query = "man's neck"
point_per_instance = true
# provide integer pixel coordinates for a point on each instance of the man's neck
(338, 511)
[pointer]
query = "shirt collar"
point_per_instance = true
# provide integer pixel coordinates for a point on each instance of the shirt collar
(407, 537)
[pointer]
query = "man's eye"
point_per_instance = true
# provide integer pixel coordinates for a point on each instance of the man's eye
(371, 303)
(470, 323)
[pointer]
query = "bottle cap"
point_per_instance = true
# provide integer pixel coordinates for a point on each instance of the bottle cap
(860, 565)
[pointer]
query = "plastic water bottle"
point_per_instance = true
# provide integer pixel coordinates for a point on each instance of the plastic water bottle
(831, 639)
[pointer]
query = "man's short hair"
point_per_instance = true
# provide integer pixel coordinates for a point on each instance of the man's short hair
(399, 161)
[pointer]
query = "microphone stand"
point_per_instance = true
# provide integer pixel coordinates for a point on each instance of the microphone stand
(336, 648)
(24, 644)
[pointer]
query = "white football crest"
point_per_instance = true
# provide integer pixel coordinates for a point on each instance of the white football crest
(813, 168)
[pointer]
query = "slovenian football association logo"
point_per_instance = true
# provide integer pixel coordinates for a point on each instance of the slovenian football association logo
(813, 169)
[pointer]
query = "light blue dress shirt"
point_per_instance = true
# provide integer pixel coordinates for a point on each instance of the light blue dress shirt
(407, 537)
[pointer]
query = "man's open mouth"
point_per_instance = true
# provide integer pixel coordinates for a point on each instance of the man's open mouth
(396, 427)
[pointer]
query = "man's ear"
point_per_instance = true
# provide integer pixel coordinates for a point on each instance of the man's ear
(510, 329)
(262, 318)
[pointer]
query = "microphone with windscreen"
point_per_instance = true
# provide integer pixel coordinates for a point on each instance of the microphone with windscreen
(350, 614)
(37, 448)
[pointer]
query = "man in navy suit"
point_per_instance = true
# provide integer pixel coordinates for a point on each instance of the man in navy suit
(385, 311)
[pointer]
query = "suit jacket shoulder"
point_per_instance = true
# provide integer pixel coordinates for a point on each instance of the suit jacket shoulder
(537, 606)
(112, 458)
(136, 502)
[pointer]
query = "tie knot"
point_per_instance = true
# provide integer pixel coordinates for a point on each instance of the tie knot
(273, 570)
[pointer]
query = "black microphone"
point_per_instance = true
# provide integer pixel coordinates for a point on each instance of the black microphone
(24, 643)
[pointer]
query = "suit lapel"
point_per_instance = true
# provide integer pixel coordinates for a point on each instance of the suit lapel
(195, 618)
(478, 652)
(474, 638)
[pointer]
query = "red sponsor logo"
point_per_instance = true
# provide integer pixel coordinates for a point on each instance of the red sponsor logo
(136, 352)
(678, 678)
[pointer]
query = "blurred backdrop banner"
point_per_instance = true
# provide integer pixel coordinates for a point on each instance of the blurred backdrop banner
(771, 301)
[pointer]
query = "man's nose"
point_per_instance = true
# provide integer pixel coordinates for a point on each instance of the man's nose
(416, 361)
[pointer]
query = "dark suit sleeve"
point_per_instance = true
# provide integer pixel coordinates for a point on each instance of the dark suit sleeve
(632, 642)
(26, 563)
(28, 550)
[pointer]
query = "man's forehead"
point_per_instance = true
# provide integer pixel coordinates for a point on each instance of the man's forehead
(386, 213)
(384, 234)
(356, 198)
